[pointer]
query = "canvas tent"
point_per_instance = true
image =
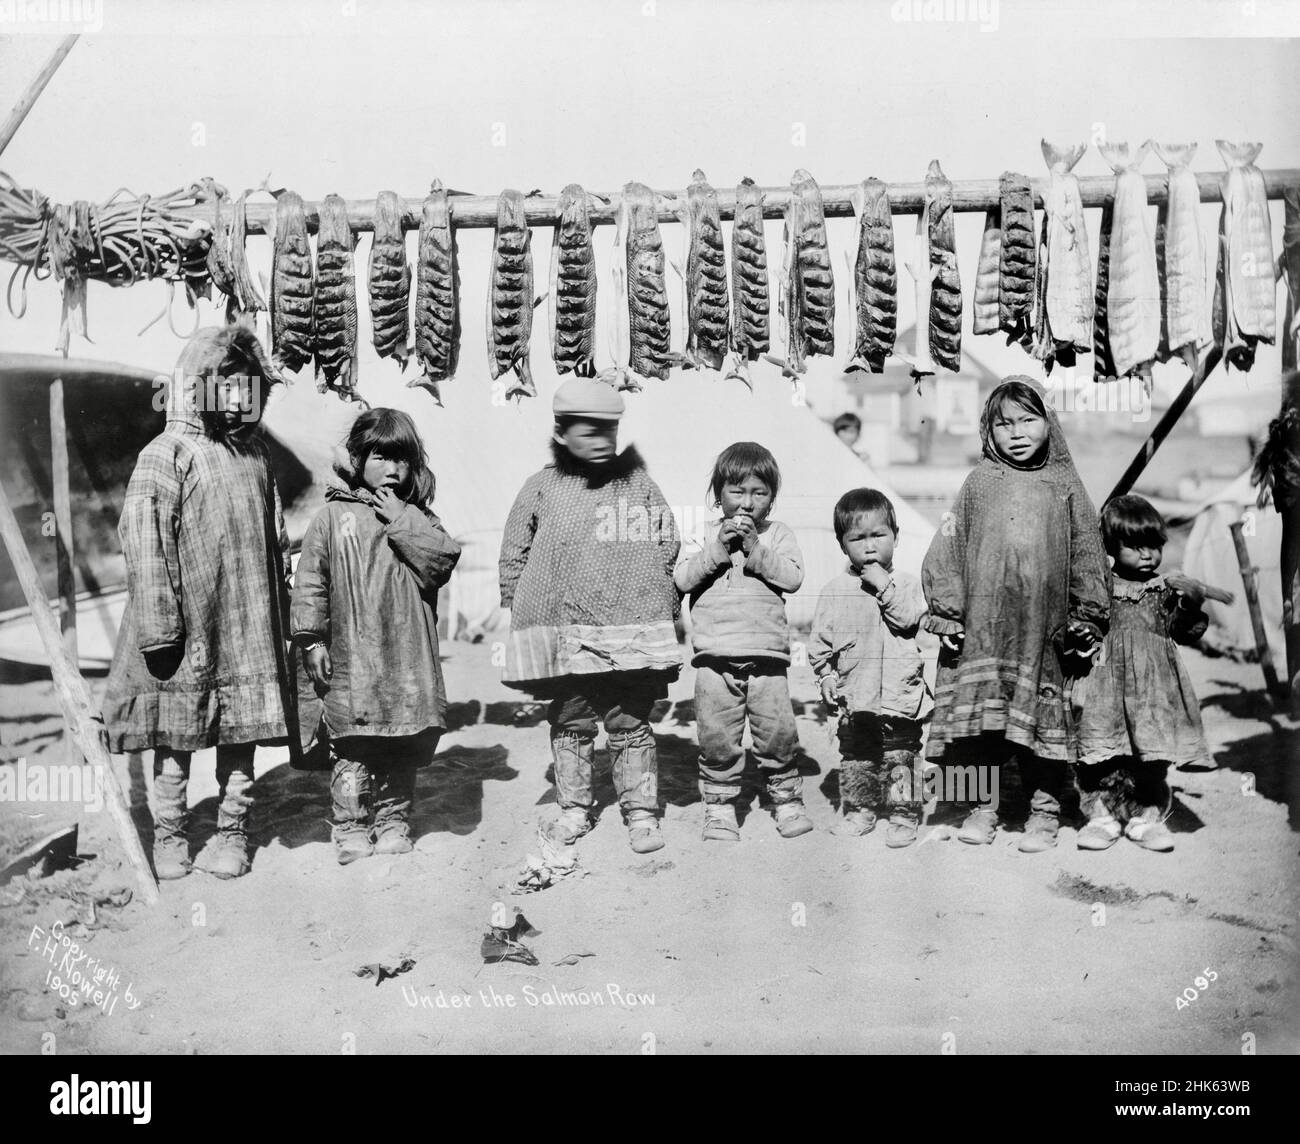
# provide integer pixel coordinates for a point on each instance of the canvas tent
(481, 454)
(1211, 557)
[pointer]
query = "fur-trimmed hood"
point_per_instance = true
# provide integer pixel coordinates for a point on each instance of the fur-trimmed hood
(621, 464)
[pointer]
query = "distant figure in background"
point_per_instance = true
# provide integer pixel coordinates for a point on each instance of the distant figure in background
(201, 659)
(848, 428)
(1016, 583)
(365, 616)
(586, 570)
(1139, 711)
(737, 576)
(864, 652)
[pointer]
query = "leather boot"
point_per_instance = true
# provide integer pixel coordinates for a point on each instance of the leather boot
(226, 854)
(720, 811)
(394, 793)
(171, 849)
(350, 789)
(635, 769)
(574, 755)
(786, 793)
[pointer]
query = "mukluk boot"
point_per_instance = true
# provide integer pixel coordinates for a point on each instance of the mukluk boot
(574, 755)
(786, 793)
(350, 792)
(720, 823)
(394, 793)
(171, 848)
(226, 854)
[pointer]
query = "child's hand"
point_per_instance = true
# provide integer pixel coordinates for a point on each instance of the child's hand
(1185, 586)
(748, 532)
(874, 576)
(953, 643)
(1081, 639)
(831, 696)
(388, 505)
(728, 534)
(319, 668)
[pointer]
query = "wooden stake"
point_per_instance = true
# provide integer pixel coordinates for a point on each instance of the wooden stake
(63, 538)
(1249, 574)
(34, 89)
(1165, 425)
(74, 698)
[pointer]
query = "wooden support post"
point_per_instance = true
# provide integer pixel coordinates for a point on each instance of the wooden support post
(74, 699)
(63, 538)
(34, 89)
(1249, 576)
(1165, 425)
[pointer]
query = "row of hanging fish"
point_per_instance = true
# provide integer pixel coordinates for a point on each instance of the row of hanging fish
(1148, 302)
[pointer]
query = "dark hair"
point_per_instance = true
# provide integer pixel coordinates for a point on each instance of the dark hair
(1133, 522)
(743, 459)
(847, 421)
(391, 433)
(855, 502)
(1018, 390)
(566, 421)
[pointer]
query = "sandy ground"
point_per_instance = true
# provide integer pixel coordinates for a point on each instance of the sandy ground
(814, 944)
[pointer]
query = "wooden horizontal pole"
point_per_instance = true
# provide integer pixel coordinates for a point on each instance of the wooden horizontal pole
(472, 211)
(29, 97)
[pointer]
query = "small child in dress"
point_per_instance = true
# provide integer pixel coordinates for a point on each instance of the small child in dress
(1139, 711)
(863, 649)
(365, 616)
(1015, 579)
(737, 575)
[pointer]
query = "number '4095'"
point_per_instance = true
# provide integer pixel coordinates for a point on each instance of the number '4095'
(1193, 991)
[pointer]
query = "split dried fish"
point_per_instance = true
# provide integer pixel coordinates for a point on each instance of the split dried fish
(1064, 296)
(1005, 281)
(573, 286)
(510, 296)
(944, 316)
(807, 298)
(219, 269)
(1245, 291)
(875, 279)
(336, 301)
(1180, 259)
(649, 327)
(388, 281)
(247, 299)
(292, 285)
(986, 274)
(750, 332)
(437, 295)
(708, 309)
(1133, 292)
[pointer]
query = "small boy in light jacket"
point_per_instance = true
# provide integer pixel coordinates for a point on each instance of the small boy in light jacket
(864, 651)
(737, 577)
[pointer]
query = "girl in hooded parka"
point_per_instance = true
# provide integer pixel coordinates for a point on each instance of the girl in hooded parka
(1016, 583)
(365, 619)
(201, 659)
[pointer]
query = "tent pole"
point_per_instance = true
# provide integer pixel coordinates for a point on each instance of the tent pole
(63, 538)
(1249, 577)
(34, 89)
(1204, 367)
(74, 697)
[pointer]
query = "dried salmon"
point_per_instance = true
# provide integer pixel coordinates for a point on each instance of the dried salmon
(1005, 280)
(986, 274)
(708, 309)
(336, 301)
(1180, 259)
(1064, 295)
(510, 296)
(292, 285)
(1133, 292)
(945, 282)
(1245, 291)
(219, 269)
(875, 279)
(388, 281)
(573, 286)
(437, 295)
(649, 328)
(247, 299)
(750, 304)
(807, 298)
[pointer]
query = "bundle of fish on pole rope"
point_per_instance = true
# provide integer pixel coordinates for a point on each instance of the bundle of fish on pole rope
(1149, 301)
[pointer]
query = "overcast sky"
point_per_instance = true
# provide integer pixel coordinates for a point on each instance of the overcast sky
(358, 97)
